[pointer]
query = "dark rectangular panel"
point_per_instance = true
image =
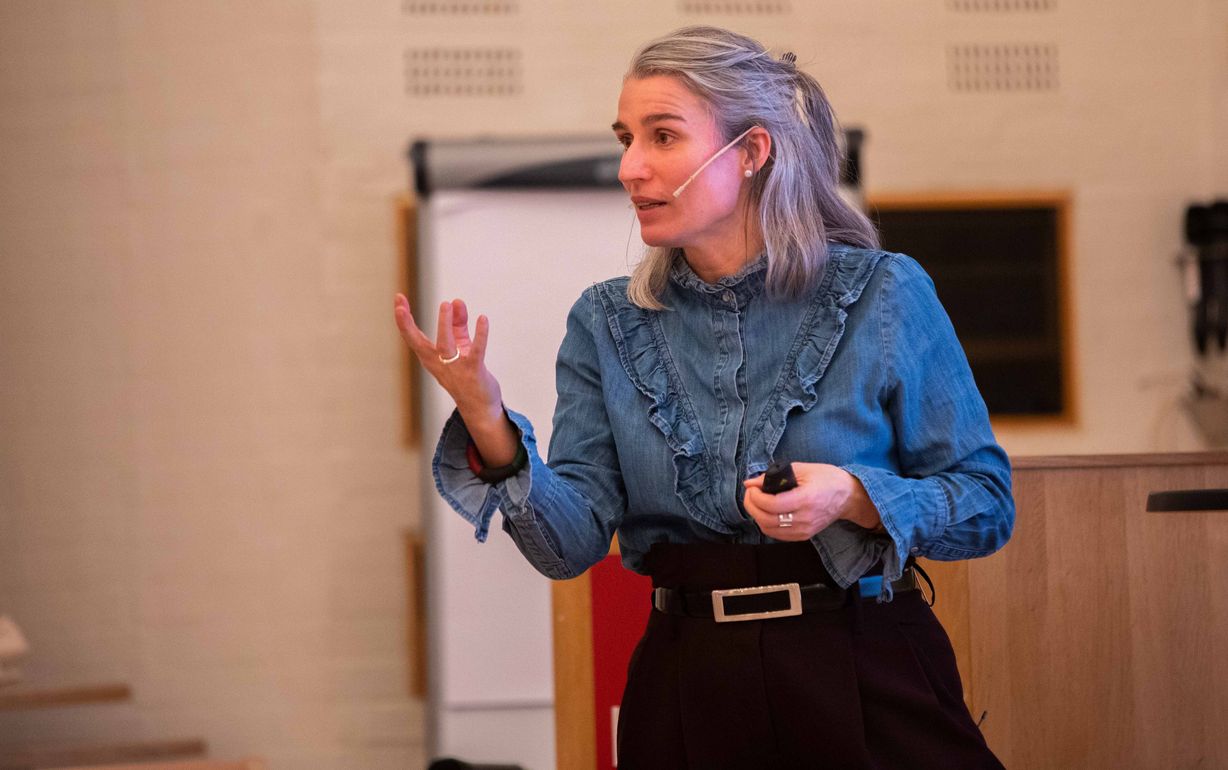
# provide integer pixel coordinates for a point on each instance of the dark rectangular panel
(996, 269)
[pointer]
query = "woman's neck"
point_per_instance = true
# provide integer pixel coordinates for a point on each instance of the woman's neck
(711, 265)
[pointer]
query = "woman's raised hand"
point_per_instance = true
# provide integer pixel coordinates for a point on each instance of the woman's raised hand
(458, 364)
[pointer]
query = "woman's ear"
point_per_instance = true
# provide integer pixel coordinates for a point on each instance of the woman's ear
(758, 147)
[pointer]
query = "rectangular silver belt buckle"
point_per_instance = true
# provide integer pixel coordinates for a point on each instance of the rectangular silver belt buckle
(794, 608)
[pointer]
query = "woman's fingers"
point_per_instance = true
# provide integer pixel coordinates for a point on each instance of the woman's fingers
(413, 336)
(754, 510)
(754, 500)
(769, 523)
(405, 319)
(794, 508)
(481, 335)
(451, 334)
(785, 502)
(445, 342)
(460, 324)
(456, 362)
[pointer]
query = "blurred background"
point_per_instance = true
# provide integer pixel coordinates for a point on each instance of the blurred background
(205, 480)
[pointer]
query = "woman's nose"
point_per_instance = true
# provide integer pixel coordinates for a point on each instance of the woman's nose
(632, 166)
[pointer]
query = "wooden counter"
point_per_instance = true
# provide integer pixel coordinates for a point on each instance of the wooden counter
(1097, 637)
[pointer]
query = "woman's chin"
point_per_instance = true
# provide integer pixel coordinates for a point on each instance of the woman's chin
(657, 240)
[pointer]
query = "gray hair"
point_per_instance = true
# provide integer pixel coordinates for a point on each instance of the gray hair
(796, 192)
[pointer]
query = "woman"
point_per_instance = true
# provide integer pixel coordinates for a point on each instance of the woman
(762, 324)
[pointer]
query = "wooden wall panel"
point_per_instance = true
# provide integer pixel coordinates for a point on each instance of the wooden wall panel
(1179, 632)
(1095, 633)
(574, 721)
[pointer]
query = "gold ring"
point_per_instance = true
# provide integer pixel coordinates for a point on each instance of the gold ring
(454, 357)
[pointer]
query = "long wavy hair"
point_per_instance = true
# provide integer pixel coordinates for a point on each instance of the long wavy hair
(795, 195)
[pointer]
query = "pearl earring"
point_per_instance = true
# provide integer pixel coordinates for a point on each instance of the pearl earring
(748, 173)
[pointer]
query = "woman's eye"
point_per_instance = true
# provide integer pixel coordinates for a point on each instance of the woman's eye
(664, 138)
(623, 141)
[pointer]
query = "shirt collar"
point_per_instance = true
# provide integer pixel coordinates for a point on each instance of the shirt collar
(743, 285)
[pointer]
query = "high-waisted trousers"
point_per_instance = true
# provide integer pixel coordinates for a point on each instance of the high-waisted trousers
(867, 685)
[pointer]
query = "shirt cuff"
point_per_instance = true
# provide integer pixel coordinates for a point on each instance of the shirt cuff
(913, 512)
(475, 500)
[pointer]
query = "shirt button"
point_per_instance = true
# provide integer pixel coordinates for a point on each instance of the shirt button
(729, 297)
(915, 549)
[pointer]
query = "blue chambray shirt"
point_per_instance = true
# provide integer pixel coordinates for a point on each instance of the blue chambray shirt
(662, 414)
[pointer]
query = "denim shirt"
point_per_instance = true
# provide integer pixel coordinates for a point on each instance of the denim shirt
(662, 414)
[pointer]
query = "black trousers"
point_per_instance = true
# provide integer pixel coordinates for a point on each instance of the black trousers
(865, 686)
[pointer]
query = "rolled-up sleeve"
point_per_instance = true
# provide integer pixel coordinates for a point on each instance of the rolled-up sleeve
(562, 514)
(951, 497)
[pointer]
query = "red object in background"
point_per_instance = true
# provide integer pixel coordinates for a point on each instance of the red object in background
(620, 612)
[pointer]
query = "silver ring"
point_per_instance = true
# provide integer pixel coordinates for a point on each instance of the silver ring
(454, 357)
(784, 520)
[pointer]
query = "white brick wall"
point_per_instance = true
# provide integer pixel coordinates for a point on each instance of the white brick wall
(203, 484)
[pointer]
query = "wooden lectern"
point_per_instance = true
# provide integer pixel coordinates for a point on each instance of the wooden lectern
(1097, 638)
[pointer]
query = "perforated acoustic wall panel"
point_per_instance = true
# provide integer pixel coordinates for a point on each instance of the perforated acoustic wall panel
(1005, 67)
(460, 7)
(466, 72)
(735, 7)
(1001, 6)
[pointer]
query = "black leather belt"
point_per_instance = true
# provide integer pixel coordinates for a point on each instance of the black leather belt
(772, 601)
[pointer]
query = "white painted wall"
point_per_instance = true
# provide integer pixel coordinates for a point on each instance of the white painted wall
(202, 487)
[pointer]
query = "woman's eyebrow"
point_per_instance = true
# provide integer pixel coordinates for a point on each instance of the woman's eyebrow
(656, 117)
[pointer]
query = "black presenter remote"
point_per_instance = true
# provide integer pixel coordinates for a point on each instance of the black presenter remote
(779, 478)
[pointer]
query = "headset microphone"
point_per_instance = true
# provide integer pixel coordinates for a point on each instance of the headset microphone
(708, 162)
